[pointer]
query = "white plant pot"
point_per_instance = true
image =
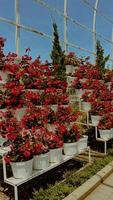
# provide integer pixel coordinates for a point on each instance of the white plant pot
(71, 148)
(69, 69)
(54, 107)
(95, 119)
(55, 155)
(105, 134)
(41, 161)
(79, 92)
(4, 76)
(70, 80)
(19, 113)
(72, 98)
(86, 106)
(83, 80)
(112, 132)
(22, 169)
(82, 143)
(2, 140)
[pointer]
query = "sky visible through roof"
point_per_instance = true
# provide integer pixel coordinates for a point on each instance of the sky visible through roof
(35, 15)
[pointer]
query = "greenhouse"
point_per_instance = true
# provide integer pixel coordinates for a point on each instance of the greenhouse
(56, 100)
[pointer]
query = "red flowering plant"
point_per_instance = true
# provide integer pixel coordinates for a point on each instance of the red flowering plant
(87, 97)
(14, 96)
(105, 122)
(71, 135)
(53, 140)
(33, 97)
(71, 59)
(100, 107)
(76, 84)
(2, 100)
(21, 148)
(9, 126)
(58, 84)
(35, 117)
(66, 114)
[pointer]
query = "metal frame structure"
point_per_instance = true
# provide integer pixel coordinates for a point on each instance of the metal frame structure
(67, 19)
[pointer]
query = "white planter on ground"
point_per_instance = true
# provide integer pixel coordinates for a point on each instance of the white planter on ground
(86, 106)
(22, 169)
(95, 119)
(105, 134)
(19, 113)
(41, 161)
(82, 143)
(71, 148)
(55, 155)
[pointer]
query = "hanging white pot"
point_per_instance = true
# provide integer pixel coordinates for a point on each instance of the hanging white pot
(69, 69)
(2, 140)
(22, 169)
(54, 107)
(71, 148)
(4, 76)
(95, 119)
(55, 155)
(19, 113)
(70, 80)
(105, 134)
(112, 132)
(86, 106)
(82, 143)
(79, 92)
(41, 161)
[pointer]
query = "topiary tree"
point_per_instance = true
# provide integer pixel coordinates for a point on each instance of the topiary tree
(100, 59)
(57, 55)
(2, 56)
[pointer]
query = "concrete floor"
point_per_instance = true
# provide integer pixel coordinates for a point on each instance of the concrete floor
(103, 191)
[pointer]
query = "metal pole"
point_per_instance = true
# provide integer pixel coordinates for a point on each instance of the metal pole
(94, 26)
(65, 27)
(112, 48)
(17, 31)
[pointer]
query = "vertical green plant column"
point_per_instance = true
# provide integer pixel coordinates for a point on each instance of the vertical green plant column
(2, 56)
(100, 59)
(57, 55)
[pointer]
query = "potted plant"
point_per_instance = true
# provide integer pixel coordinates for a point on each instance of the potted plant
(71, 63)
(70, 138)
(55, 144)
(86, 97)
(41, 155)
(77, 85)
(20, 156)
(104, 127)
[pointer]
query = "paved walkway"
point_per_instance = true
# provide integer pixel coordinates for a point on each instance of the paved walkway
(103, 191)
